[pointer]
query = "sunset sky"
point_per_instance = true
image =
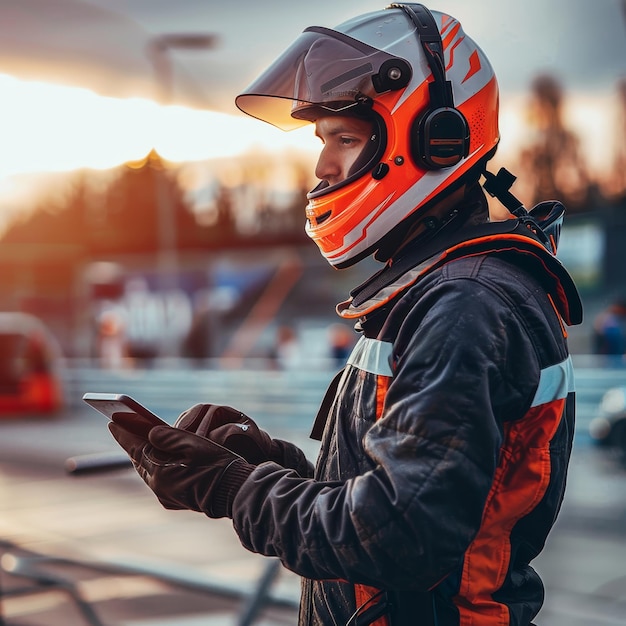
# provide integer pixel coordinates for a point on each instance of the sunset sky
(79, 88)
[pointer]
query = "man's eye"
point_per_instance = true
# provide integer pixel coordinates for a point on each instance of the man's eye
(347, 141)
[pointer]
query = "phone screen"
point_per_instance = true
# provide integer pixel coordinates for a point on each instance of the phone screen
(125, 411)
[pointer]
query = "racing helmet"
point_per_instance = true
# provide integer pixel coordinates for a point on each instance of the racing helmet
(431, 95)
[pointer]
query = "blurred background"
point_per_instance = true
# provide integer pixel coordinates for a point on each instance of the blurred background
(152, 242)
(132, 188)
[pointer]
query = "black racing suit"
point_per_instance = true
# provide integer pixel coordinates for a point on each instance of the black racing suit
(445, 448)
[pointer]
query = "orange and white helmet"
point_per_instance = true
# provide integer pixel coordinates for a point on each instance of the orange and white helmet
(431, 93)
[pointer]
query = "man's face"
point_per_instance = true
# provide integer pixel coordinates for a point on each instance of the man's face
(344, 139)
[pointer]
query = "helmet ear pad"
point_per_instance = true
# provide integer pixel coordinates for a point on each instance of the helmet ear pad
(439, 138)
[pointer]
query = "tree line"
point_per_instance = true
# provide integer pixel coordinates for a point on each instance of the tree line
(140, 207)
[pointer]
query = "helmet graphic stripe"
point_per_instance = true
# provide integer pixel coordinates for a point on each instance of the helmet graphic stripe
(475, 66)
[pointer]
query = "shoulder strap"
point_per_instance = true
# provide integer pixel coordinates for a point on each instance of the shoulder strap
(512, 237)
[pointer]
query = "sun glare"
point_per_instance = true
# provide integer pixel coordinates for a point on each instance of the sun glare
(193, 135)
(47, 128)
(50, 128)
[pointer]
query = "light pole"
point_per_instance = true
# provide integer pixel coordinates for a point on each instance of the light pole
(159, 48)
(158, 52)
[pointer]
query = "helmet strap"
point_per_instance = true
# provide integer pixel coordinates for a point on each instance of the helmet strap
(498, 186)
(544, 220)
(422, 228)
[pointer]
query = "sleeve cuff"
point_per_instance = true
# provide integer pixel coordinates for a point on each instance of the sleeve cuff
(233, 477)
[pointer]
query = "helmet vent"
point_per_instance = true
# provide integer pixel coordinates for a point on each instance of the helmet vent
(477, 124)
(323, 217)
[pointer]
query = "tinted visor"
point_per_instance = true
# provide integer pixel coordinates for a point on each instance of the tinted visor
(322, 68)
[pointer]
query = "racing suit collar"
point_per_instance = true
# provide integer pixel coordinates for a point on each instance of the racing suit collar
(510, 236)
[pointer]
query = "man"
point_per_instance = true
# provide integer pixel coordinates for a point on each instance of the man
(446, 438)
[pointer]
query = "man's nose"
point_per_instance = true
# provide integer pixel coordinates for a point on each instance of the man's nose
(327, 167)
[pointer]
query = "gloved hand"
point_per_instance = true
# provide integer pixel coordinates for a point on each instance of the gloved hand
(238, 432)
(184, 470)
(230, 428)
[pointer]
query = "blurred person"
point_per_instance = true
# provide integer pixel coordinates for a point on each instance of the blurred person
(553, 160)
(609, 330)
(112, 349)
(446, 438)
(285, 353)
(341, 342)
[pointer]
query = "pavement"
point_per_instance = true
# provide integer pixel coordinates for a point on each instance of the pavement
(109, 542)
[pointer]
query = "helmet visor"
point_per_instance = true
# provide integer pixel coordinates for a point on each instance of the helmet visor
(323, 69)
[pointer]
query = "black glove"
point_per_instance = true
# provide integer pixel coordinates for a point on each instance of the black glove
(184, 470)
(230, 428)
(239, 433)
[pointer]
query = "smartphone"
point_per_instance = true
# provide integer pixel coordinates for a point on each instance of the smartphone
(125, 411)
